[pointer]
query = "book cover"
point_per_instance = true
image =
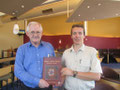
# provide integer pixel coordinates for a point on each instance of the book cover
(51, 70)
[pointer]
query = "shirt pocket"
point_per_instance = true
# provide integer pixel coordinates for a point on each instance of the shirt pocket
(49, 53)
(84, 66)
(70, 63)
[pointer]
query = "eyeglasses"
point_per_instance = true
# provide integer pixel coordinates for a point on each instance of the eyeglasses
(35, 32)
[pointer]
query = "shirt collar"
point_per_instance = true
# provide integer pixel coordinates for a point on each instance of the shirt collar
(30, 44)
(80, 49)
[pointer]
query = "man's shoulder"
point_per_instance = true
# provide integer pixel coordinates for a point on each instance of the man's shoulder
(67, 50)
(46, 43)
(24, 45)
(90, 48)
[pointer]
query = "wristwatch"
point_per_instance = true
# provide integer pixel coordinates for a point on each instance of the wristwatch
(75, 73)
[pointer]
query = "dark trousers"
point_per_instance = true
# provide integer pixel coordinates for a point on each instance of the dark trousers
(24, 87)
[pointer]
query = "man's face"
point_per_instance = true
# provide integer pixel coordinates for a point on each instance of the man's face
(34, 33)
(77, 35)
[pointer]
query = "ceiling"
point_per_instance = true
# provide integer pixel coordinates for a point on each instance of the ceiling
(89, 10)
(18, 7)
(25, 9)
(82, 10)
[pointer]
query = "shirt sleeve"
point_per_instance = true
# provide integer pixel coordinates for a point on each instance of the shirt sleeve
(95, 63)
(20, 71)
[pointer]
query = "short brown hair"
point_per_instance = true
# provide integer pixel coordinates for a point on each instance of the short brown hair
(77, 25)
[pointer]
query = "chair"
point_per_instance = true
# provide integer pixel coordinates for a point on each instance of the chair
(103, 86)
(5, 74)
(109, 73)
(8, 53)
(16, 82)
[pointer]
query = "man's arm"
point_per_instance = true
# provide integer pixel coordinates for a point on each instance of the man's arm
(20, 71)
(88, 75)
(81, 75)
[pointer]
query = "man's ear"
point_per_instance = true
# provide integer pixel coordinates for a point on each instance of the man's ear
(84, 36)
(41, 33)
(27, 33)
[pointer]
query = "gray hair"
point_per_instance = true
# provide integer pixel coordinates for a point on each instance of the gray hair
(32, 23)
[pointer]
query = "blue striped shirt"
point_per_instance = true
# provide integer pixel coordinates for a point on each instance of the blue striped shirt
(29, 62)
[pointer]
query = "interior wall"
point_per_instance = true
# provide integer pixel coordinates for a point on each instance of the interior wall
(56, 29)
(104, 28)
(65, 41)
(9, 40)
(55, 25)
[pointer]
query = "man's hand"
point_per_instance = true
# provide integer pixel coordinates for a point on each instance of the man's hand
(43, 83)
(66, 72)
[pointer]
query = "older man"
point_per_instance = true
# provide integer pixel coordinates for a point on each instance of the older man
(29, 59)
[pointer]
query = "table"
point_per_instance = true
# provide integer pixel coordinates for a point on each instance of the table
(7, 59)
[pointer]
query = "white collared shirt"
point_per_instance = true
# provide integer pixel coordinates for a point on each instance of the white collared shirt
(85, 60)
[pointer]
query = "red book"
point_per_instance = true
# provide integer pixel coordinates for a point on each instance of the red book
(51, 70)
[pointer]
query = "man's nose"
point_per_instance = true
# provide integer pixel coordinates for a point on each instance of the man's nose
(35, 34)
(77, 35)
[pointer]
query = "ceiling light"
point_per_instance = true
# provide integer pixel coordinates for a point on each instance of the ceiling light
(116, 14)
(16, 29)
(22, 6)
(88, 6)
(13, 13)
(1, 14)
(99, 4)
(79, 15)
